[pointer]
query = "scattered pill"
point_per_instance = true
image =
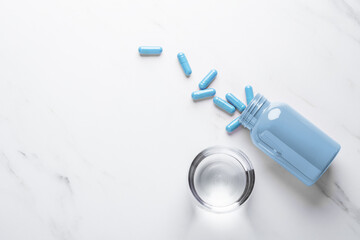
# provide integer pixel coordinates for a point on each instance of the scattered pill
(233, 125)
(201, 94)
(221, 103)
(239, 105)
(249, 94)
(150, 50)
(208, 79)
(184, 63)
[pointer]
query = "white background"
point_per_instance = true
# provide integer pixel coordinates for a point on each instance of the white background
(96, 141)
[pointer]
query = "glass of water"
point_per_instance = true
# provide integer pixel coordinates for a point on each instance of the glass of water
(221, 178)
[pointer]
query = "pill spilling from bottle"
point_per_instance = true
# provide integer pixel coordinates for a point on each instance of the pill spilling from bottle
(208, 79)
(184, 64)
(239, 105)
(234, 124)
(230, 105)
(150, 50)
(249, 94)
(224, 105)
(201, 94)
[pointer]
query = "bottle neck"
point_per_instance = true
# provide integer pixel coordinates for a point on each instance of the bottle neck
(253, 111)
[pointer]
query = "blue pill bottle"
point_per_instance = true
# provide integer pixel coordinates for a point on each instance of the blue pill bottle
(289, 138)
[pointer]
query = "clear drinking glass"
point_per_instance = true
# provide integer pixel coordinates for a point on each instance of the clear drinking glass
(221, 178)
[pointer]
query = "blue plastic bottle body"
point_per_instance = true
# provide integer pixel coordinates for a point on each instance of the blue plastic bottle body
(184, 64)
(150, 50)
(290, 139)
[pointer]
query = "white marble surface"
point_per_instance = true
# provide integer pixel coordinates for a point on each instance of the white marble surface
(96, 141)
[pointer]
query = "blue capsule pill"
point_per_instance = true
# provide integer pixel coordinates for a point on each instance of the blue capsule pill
(184, 63)
(221, 103)
(208, 79)
(249, 94)
(239, 105)
(233, 125)
(150, 50)
(197, 95)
